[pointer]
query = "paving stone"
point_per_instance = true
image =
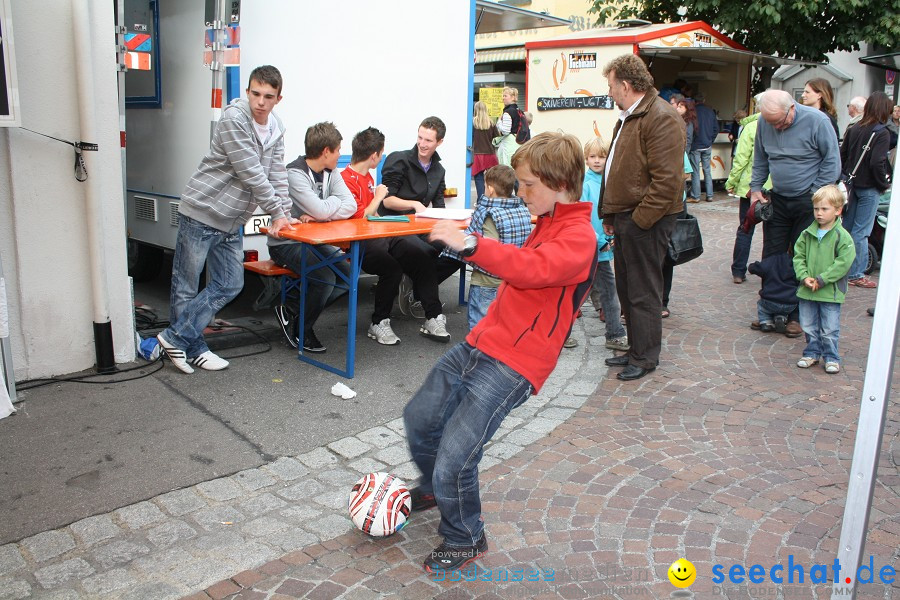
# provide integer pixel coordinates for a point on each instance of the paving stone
(502, 450)
(333, 498)
(319, 458)
(10, 559)
(286, 468)
(11, 589)
(264, 526)
(248, 553)
(161, 560)
(217, 517)
(201, 574)
(49, 544)
(152, 591)
(330, 526)
(349, 447)
(380, 437)
(170, 532)
(180, 502)
(568, 400)
(292, 538)
(301, 513)
(557, 414)
(254, 479)
(542, 425)
(107, 583)
(522, 437)
(95, 529)
(220, 490)
(259, 505)
(408, 472)
(55, 575)
(581, 388)
(118, 552)
(397, 427)
(338, 477)
(139, 515)
(394, 455)
(301, 490)
(367, 465)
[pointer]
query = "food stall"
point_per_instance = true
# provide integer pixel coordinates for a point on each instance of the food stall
(567, 90)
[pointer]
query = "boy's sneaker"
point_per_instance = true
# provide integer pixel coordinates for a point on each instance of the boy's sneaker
(209, 361)
(450, 558)
(619, 343)
(176, 355)
(570, 343)
(780, 323)
(420, 500)
(832, 368)
(807, 361)
(382, 333)
(289, 323)
(416, 310)
(311, 343)
(766, 327)
(436, 329)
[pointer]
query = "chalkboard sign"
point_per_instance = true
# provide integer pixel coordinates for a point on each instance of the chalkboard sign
(575, 102)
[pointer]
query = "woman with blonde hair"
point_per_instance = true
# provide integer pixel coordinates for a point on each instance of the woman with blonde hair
(818, 94)
(508, 125)
(483, 154)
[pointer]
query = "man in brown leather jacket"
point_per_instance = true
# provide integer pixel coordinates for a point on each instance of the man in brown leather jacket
(642, 196)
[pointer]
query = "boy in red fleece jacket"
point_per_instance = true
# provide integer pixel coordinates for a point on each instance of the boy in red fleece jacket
(513, 349)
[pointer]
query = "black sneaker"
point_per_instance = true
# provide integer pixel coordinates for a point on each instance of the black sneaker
(452, 558)
(421, 501)
(311, 343)
(780, 323)
(289, 322)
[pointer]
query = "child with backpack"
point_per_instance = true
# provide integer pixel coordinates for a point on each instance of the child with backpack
(513, 127)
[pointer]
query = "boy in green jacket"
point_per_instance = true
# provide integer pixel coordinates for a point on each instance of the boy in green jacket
(822, 258)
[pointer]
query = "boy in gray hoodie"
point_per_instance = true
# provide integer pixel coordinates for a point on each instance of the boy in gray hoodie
(243, 169)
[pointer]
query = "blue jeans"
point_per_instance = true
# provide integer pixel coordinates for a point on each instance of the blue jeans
(448, 421)
(859, 218)
(821, 322)
(480, 298)
(701, 158)
(479, 185)
(742, 242)
(321, 291)
(767, 310)
(604, 295)
(191, 311)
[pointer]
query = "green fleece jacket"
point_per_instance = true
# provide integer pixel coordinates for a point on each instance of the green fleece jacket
(742, 165)
(827, 260)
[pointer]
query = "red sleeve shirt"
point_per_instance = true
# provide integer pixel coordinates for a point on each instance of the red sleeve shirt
(362, 187)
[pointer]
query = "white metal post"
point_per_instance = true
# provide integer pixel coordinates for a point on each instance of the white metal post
(873, 407)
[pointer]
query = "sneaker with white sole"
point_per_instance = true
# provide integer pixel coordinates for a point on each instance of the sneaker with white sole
(289, 322)
(405, 295)
(436, 329)
(619, 343)
(176, 355)
(382, 333)
(209, 361)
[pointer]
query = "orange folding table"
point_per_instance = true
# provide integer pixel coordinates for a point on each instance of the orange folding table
(350, 232)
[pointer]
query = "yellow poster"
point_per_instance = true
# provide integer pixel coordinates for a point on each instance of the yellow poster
(493, 97)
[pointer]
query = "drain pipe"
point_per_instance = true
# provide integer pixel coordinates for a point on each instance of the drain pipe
(84, 68)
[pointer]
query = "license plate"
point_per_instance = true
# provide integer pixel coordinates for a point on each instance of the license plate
(252, 226)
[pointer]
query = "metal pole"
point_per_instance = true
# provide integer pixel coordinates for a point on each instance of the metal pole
(873, 407)
(84, 61)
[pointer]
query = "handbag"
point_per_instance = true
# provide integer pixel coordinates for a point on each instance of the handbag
(686, 242)
(845, 185)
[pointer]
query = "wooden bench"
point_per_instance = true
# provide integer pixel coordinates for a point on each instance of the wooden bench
(277, 282)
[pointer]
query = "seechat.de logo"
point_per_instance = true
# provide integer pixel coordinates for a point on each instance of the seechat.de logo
(795, 572)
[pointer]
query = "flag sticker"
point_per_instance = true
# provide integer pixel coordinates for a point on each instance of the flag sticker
(138, 42)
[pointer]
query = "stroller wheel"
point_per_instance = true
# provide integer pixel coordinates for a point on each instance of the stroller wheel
(873, 260)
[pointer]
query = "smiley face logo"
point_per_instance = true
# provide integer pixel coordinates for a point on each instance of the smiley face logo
(682, 573)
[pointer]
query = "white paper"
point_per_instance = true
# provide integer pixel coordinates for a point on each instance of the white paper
(454, 214)
(339, 389)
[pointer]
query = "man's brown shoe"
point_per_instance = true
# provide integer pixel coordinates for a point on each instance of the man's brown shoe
(793, 329)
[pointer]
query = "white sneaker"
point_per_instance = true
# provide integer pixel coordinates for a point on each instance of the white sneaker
(382, 333)
(176, 355)
(436, 329)
(405, 296)
(209, 361)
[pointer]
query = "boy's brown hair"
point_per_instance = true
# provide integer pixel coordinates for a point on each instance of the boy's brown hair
(502, 178)
(830, 194)
(321, 136)
(268, 75)
(556, 159)
(597, 146)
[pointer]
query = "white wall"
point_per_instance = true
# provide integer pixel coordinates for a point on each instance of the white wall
(43, 240)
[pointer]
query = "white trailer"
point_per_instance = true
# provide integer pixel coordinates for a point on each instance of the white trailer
(357, 64)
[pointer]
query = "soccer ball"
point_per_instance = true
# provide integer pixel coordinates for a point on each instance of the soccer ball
(379, 504)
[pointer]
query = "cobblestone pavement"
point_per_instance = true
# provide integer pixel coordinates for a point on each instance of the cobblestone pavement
(727, 454)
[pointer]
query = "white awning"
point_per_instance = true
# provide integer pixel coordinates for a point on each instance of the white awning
(491, 17)
(492, 55)
(723, 56)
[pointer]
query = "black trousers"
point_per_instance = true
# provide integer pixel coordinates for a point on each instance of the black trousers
(639, 255)
(390, 258)
(790, 216)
